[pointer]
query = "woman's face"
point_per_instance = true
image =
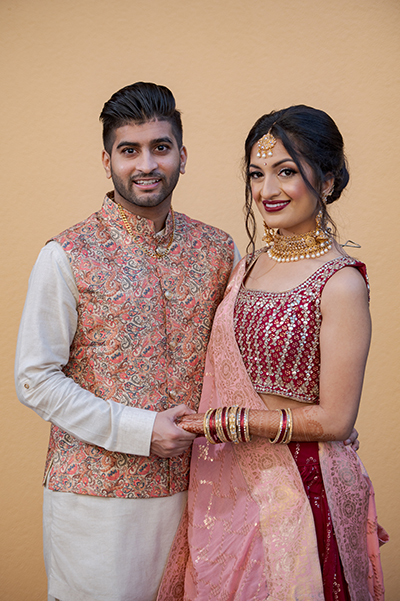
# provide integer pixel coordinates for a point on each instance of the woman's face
(280, 192)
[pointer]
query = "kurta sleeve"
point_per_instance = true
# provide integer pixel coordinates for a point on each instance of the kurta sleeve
(46, 333)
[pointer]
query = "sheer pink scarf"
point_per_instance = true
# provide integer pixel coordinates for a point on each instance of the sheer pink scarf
(249, 524)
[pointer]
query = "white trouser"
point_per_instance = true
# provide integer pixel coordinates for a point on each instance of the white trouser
(107, 549)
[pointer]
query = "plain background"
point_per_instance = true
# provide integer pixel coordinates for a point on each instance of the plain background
(227, 63)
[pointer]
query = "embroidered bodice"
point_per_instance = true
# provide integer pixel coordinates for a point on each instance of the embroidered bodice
(278, 334)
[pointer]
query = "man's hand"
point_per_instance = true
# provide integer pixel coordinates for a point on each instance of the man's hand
(353, 440)
(168, 439)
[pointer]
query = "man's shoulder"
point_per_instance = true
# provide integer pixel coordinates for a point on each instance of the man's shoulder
(81, 229)
(200, 226)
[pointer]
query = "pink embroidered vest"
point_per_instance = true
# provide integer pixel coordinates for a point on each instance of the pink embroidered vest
(143, 328)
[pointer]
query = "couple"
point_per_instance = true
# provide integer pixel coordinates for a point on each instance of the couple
(112, 350)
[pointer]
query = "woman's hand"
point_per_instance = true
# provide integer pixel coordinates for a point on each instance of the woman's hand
(192, 423)
(353, 440)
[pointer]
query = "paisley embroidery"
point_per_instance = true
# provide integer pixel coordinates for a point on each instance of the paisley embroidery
(143, 329)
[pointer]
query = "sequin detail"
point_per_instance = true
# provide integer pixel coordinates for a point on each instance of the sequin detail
(278, 334)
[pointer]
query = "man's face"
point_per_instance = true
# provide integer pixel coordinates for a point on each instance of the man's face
(144, 164)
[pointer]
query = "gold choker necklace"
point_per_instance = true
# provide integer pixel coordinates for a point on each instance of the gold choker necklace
(152, 253)
(299, 246)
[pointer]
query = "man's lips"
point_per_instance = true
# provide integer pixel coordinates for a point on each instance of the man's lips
(147, 183)
(276, 205)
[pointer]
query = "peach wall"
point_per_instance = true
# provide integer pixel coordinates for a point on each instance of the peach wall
(227, 62)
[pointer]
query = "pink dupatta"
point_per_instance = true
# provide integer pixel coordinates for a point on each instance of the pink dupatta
(249, 524)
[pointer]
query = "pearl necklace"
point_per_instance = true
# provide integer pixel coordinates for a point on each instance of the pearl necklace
(152, 253)
(297, 247)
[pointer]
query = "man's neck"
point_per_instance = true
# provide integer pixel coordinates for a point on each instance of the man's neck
(157, 215)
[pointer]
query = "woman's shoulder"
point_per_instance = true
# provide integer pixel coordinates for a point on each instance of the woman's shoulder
(348, 282)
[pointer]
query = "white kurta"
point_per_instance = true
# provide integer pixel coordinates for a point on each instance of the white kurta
(96, 548)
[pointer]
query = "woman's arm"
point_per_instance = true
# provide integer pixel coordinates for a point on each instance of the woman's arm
(344, 343)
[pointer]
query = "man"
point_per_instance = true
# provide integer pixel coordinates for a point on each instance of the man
(111, 351)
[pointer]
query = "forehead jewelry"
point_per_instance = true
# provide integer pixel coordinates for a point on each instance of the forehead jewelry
(265, 145)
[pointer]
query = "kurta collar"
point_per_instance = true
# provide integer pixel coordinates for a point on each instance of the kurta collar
(142, 226)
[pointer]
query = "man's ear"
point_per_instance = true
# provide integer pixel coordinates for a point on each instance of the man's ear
(106, 160)
(183, 155)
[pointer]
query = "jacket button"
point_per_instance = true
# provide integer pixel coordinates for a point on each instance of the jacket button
(173, 394)
(168, 294)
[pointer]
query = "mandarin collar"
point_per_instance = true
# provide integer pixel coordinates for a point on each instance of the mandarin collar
(144, 227)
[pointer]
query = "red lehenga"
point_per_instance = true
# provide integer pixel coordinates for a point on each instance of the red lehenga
(249, 532)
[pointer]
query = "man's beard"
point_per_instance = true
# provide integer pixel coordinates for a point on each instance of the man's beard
(146, 199)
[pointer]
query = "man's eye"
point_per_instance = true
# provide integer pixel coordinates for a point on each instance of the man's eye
(128, 151)
(162, 148)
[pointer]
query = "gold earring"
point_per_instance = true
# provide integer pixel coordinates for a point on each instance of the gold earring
(269, 235)
(325, 195)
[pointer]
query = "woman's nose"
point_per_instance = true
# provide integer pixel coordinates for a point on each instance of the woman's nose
(270, 187)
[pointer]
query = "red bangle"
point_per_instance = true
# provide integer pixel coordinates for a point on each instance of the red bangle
(213, 431)
(224, 424)
(284, 427)
(242, 432)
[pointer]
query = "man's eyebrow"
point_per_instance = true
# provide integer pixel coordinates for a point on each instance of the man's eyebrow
(155, 142)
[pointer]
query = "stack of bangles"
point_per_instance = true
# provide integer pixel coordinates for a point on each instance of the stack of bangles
(227, 424)
(284, 434)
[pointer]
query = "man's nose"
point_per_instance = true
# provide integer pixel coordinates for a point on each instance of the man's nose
(146, 162)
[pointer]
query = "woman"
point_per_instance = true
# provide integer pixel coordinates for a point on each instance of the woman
(288, 515)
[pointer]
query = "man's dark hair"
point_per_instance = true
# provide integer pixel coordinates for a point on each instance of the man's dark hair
(139, 102)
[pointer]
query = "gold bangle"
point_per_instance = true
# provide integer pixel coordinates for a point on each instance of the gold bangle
(288, 434)
(279, 429)
(232, 423)
(247, 426)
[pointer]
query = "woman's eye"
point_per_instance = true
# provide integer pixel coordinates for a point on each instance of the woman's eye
(287, 172)
(255, 174)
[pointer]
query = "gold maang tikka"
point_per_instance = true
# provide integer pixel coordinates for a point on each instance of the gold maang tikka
(265, 145)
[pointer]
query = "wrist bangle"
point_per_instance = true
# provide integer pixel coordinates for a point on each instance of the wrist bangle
(224, 424)
(206, 425)
(233, 431)
(279, 433)
(247, 436)
(288, 434)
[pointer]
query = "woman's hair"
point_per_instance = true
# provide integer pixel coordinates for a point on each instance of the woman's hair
(310, 136)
